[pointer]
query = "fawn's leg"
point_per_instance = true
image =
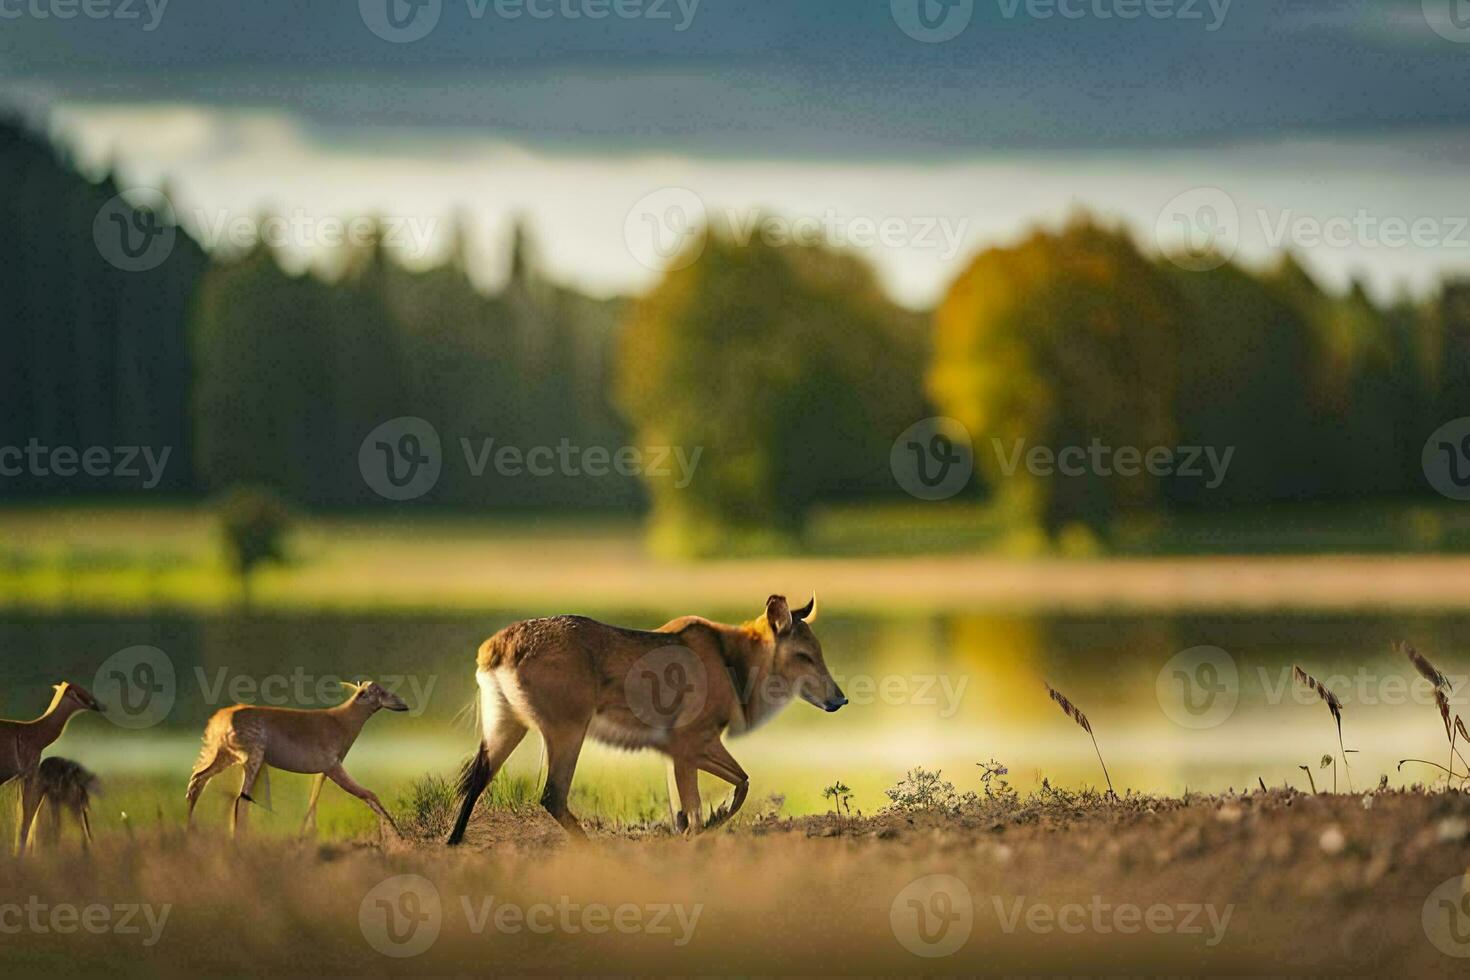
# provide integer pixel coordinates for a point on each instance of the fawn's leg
(30, 802)
(239, 816)
(339, 776)
(718, 761)
(200, 778)
(317, 782)
(86, 822)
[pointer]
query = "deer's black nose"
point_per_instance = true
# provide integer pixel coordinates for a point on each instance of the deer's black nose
(832, 704)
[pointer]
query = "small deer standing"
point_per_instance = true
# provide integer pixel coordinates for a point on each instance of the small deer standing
(306, 741)
(22, 742)
(66, 787)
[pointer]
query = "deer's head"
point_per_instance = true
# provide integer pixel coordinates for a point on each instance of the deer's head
(798, 656)
(371, 694)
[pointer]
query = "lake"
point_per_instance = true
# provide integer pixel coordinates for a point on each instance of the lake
(1177, 702)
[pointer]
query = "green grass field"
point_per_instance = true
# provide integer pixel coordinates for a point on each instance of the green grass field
(58, 558)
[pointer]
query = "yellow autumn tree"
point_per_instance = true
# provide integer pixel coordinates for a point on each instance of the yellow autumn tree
(1067, 339)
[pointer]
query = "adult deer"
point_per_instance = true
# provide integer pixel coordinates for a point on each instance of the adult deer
(306, 741)
(676, 690)
(22, 742)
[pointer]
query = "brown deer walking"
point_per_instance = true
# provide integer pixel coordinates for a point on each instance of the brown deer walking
(66, 787)
(22, 742)
(305, 741)
(676, 690)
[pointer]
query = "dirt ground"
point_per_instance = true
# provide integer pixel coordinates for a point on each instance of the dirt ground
(1264, 883)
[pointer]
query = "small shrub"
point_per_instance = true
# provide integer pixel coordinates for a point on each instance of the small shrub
(427, 807)
(921, 789)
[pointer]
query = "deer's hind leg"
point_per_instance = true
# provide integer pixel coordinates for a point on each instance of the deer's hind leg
(199, 778)
(84, 818)
(239, 817)
(563, 747)
(339, 776)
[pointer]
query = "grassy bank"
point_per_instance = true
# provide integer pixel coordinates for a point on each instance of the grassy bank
(877, 559)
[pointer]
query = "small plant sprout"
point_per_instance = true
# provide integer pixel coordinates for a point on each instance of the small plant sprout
(1310, 781)
(1075, 713)
(840, 795)
(1334, 706)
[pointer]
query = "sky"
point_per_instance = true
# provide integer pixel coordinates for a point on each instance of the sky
(913, 131)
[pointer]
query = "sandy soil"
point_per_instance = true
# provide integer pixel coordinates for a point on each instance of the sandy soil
(1265, 883)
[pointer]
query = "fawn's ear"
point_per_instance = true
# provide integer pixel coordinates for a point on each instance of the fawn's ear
(778, 614)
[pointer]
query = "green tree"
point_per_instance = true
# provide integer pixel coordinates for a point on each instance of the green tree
(786, 367)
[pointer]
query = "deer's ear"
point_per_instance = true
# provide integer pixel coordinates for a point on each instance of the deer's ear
(778, 614)
(808, 612)
(353, 687)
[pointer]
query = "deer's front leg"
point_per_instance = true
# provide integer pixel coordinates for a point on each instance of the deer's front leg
(686, 778)
(718, 761)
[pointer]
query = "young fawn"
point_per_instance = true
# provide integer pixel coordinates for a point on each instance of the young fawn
(22, 742)
(313, 742)
(676, 690)
(65, 787)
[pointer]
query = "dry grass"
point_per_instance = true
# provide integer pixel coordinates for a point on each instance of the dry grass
(809, 895)
(1075, 713)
